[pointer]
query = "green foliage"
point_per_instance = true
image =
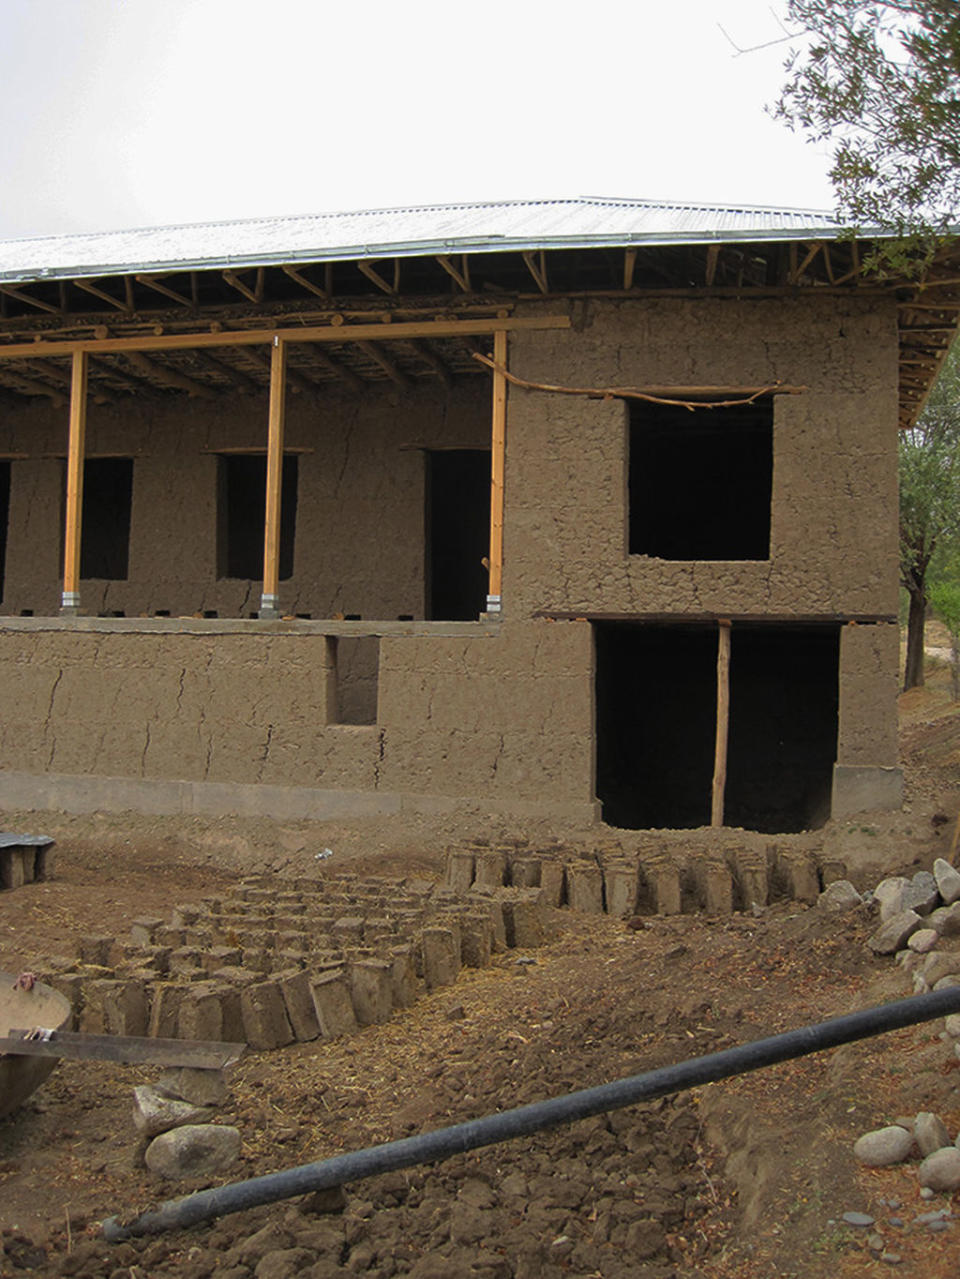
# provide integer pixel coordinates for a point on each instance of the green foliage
(881, 80)
(945, 598)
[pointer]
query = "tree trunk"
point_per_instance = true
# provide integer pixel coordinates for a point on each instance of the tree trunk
(913, 672)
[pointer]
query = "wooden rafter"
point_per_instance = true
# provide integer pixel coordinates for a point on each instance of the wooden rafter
(379, 357)
(710, 270)
(367, 269)
(797, 270)
(237, 377)
(252, 295)
(19, 296)
(461, 275)
(92, 289)
(299, 278)
(629, 266)
(537, 266)
(167, 376)
(432, 362)
(13, 380)
(152, 282)
(260, 359)
(337, 368)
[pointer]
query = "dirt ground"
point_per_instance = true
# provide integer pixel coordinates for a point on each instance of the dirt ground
(745, 1179)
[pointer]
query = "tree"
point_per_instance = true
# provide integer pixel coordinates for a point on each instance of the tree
(945, 598)
(929, 501)
(881, 80)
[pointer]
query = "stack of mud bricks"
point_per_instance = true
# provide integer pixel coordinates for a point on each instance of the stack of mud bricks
(607, 880)
(270, 965)
(24, 859)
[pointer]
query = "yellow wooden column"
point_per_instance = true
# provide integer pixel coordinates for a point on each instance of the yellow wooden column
(70, 599)
(270, 598)
(723, 723)
(498, 451)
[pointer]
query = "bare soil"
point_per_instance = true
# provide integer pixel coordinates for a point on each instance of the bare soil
(745, 1179)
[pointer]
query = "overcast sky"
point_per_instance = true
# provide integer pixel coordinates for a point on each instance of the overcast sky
(124, 113)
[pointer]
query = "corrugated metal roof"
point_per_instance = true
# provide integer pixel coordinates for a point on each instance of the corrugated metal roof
(509, 225)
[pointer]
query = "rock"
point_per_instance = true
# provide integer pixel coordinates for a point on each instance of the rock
(200, 1150)
(930, 1132)
(893, 934)
(941, 1170)
(284, 1263)
(891, 1258)
(923, 940)
(860, 1219)
(883, 1146)
(948, 881)
(154, 1113)
(889, 894)
(318, 1202)
(940, 964)
(946, 920)
(922, 894)
(201, 1087)
(947, 983)
(840, 895)
(952, 1025)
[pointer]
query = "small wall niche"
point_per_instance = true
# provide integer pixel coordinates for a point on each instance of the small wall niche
(356, 678)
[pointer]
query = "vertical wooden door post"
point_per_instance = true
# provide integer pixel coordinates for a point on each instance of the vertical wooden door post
(723, 723)
(270, 598)
(70, 599)
(497, 465)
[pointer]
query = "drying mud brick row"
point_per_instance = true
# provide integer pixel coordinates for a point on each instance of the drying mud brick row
(610, 880)
(278, 962)
(24, 859)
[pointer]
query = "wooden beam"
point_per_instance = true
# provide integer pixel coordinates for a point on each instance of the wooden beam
(798, 270)
(151, 282)
(237, 377)
(70, 599)
(18, 382)
(19, 296)
(168, 377)
(299, 278)
(338, 368)
(270, 598)
(723, 723)
(432, 362)
(233, 279)
(312, 333)
(92, 289)
(296, 381)
(537, 266)
(393, 373)
(461, 275)
(201, 1054)
(498, 449)
(629, 265)
(713, 258)
(365, 268)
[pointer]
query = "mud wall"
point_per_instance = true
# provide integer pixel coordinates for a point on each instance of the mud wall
(833, 536)
(359, 545)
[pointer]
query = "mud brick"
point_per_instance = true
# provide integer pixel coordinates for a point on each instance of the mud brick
(403, 976)
(621, 883)
(172, 937)
(334, 1007)
(585, 889)
(348, 930)
(70, 985)
(11, 867)
(664, 879)
(289, 958)
(441, 956)
(716, 888)
(117, 1007)
(552, 882)
(201, 938)
(201, 1012)
(95, 950)
(525, 871)
(44, 863)
(144, 931)
(185, 959)
(255, 938)
(165, 1000)
(831, 870)
(750, 876)
(265, 1021)
(460, 870)
(258, 961)
(371, 991)
(798, 871)
(491, 870)
(232, 1013)
(220, 957)
(235, 975)
(185, 916)
(476, 940)
(292, 939)
(526, 923)
(188, 1083)
(298, 999)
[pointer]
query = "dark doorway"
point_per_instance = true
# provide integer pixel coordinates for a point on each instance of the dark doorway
(4, 518)
(458, 533)
(241, 511)
(700, 481)
(105, 518)
(656, 724)
(784, 705)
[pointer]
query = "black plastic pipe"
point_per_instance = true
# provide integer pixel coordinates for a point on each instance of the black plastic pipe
(432, 1147)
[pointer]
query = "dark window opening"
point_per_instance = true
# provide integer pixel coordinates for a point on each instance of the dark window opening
(241, 511)
(357, 679)
(104, 518)
(458, 533)
(700, 482)
(4, 518)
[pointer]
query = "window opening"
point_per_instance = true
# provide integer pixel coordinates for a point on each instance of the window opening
(457, 533)
(241, 511)
(4, 519)
(700, 482)
(105, 519)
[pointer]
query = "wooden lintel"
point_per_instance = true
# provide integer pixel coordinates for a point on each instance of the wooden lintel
(710, 270)
(723, 723)
(379, 357)
(299, 278)
(432, 361)
(151, 282)
(629, 266)
(367, 269)
(461, 275)
(19, 296)
(92, 289)
(308, 333)
(233, 279)
(536, 261)
(168, 377)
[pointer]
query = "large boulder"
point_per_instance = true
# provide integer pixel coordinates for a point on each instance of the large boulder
(884, 1146)
(893, 934)
(196, 1150)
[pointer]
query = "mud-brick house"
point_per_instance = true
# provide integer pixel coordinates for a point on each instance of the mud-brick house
(583, 508)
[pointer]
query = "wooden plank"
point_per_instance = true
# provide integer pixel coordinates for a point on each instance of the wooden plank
(92, 289)
(151, 282)
(233, 279)
(167, 376)
(498, 450)
(19, 296)
(629, 266)
(270, 599)
(299, 278)
(365, 268)
(70, 599)
(256, 337)
(461, 276)
(537, 266)
(202, 1054)
(723, 722)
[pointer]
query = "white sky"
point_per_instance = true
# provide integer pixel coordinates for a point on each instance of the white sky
(123, 113)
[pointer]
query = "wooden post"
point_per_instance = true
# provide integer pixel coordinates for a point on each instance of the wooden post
(70, 599)
(270, 598)
(497, 461)
(723, 722)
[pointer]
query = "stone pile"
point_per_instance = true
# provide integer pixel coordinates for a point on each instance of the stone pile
(924, 1137)
(607, 879)
(277, 962)
(174, 1118)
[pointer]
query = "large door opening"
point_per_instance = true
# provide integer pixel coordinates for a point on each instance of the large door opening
(656, 708)
(4, 518)
(457, 533)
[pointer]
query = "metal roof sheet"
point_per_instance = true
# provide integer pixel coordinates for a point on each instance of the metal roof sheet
(509, 225)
